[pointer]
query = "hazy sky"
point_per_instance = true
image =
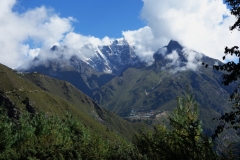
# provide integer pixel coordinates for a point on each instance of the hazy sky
(30, 27)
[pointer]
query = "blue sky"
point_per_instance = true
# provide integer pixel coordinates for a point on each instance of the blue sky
(28, 28)
(98, 18)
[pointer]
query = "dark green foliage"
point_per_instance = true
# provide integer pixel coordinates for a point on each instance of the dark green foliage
(44, 136)
(41, 136)
(235, 10)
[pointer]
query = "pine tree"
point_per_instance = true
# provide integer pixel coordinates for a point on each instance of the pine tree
(183, 140)
(187, 130)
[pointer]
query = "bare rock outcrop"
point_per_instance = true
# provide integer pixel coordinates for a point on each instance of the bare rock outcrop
(13, 111)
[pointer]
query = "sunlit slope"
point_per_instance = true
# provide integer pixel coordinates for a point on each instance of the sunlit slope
(57, 97)
(84, 103)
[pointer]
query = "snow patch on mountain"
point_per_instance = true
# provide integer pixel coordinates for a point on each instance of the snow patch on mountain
(118, 55)
(113, 58)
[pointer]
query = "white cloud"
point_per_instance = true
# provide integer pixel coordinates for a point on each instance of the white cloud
(193, 59)
(39, 26)
(145, 42)
(83, 46)
(195, 24)
(189, 60)
(23, 36)
(198, 25)
(72, 44)
(174, 58)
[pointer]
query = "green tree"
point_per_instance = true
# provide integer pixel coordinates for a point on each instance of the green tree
(184, 119)
(184, 139)
(187, 130)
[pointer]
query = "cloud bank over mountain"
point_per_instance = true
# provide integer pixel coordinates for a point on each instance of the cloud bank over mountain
(23, 36)
(193, 61)
(39, 27)
(200, 25)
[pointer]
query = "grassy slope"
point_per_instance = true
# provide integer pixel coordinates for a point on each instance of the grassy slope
(67, 91)
(55, 100)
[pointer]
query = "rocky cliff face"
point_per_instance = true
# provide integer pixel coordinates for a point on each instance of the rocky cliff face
(13, 111)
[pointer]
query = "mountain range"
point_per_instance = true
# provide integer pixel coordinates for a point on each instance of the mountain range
(116, 79)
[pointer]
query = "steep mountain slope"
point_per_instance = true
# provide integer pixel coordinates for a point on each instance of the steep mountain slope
(151, 91)
(57, 97)
(75, 71)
